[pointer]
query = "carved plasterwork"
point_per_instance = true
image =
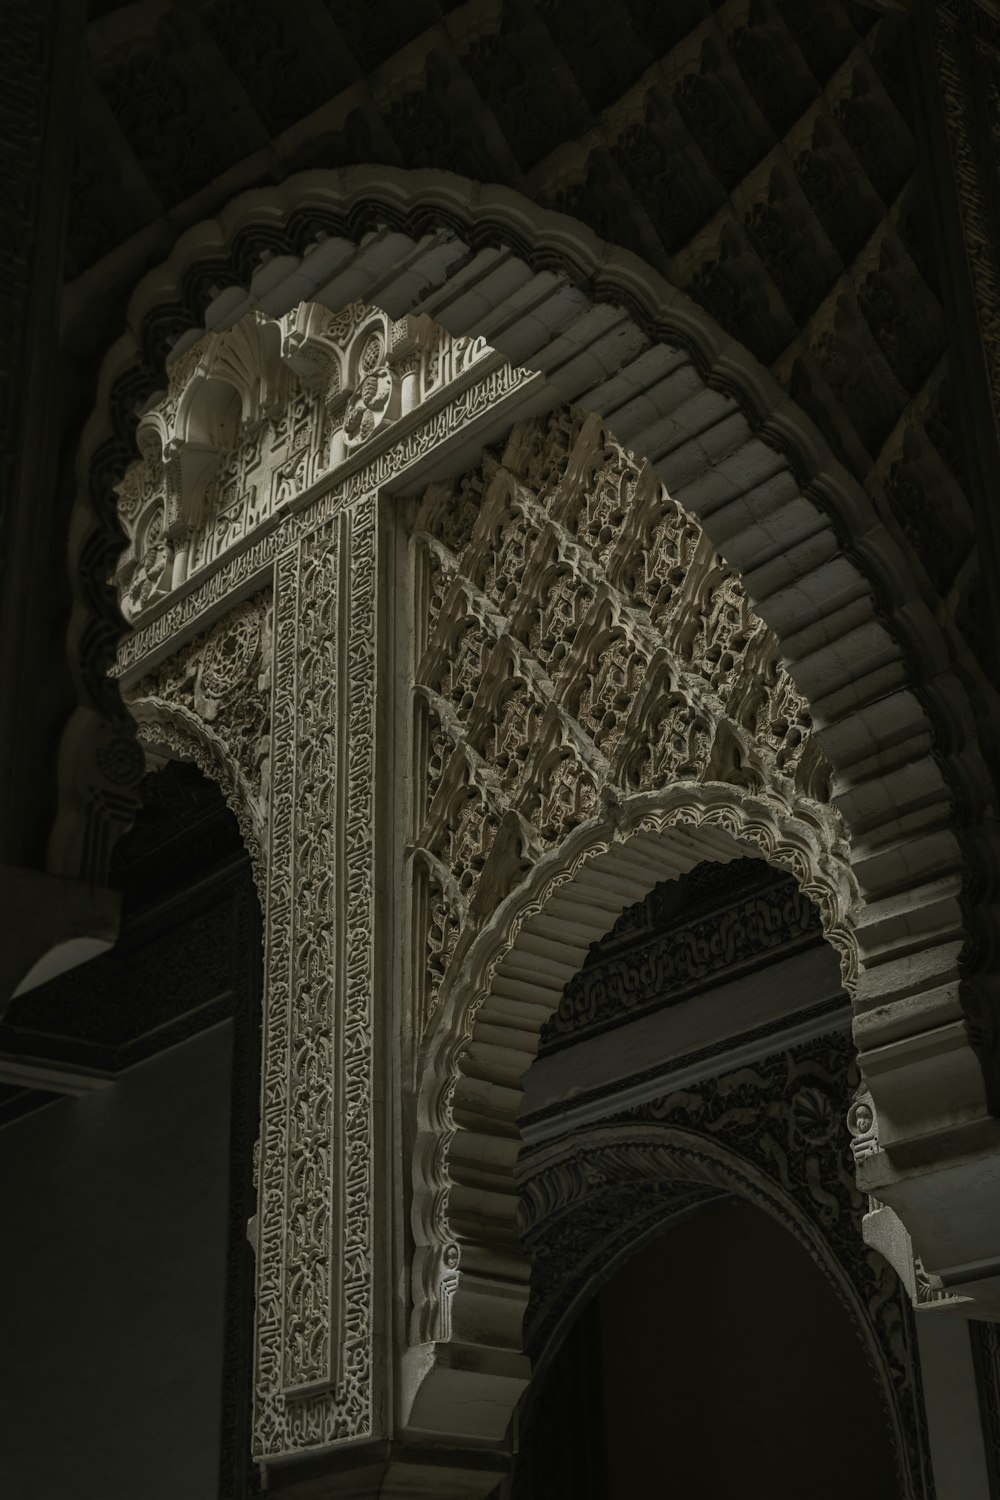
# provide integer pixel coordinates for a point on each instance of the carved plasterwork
(256, 656)
(583, 644)
(594, 699)
(258, 416)
(747, 462)
(771, 1133)
(658, 954)
(315, 1243)
(211, 703)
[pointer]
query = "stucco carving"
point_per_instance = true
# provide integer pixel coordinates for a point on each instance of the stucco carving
(287, 429)
(255, 417)
(591, 685)
(597, 707)
(314, 1290)
(585, 643)
(771, 1133)
(211, 703)
(610, 333)
(658, 954)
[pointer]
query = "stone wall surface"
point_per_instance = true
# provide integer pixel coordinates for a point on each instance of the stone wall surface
(114, 1268)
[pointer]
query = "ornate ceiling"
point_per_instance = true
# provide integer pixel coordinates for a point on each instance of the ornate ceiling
(760, 153)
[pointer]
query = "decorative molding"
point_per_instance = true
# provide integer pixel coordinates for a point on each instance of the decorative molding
(316, 1244)
(599, 707)
(728, 444)
(666, 955)
(581, 288)
(193, 606)
(741, 1047)
(592, 687)
(259, 417)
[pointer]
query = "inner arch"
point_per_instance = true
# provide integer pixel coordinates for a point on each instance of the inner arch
(745, 1387)
(571, 903)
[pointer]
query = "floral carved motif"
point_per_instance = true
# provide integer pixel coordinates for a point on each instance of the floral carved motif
(771, 1133)
(261, 469)
(315, 1247)
(581, 642)
(255, 418)
(542, 672)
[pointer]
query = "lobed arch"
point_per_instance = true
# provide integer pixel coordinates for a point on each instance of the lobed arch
(210, 704)
(565, 503)
(609, 333)
(471, 1269)
(572, 544)
(858, 644)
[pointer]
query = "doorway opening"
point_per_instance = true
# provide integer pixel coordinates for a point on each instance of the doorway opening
(717, 1362)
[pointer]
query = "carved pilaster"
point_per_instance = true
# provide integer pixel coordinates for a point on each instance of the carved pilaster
(315, 1288)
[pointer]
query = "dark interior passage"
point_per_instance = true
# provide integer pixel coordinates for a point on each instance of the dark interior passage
(717, 1364)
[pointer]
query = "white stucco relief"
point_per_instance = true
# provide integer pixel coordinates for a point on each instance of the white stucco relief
(254, 584)
(584, 702)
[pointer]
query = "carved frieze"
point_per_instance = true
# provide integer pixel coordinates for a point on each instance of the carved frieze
(680, 941)
(257, 416)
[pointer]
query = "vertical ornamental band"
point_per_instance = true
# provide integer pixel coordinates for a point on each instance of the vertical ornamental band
(314, 1312)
